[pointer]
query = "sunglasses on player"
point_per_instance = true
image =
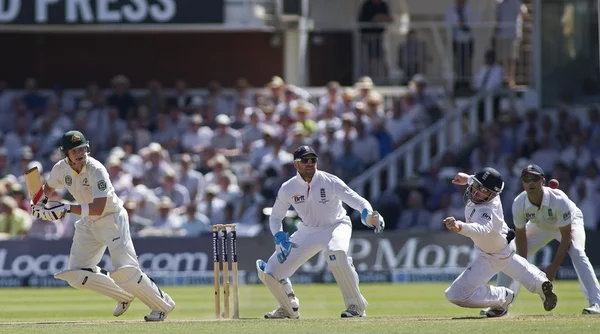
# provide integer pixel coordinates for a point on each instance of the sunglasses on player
(307, 160)
(530, 178)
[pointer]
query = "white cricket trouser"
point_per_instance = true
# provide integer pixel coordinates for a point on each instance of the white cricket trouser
(91, 239)
(470, 288)
(310, 241)
(539, 237)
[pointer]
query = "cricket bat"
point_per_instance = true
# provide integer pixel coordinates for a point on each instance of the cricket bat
(34, 185)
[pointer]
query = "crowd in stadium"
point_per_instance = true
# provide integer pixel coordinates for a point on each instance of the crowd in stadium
(183, 162)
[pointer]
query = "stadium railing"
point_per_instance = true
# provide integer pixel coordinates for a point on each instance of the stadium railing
(456, 129)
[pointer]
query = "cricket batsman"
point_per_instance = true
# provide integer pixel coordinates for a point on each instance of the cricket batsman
(104, 223)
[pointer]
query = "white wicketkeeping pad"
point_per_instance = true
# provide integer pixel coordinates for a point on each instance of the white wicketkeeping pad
(276, 289)
(346, 278)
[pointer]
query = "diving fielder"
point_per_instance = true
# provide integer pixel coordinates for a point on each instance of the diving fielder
(542, 214)
(104, 223)
(317, 197)
(486, 227)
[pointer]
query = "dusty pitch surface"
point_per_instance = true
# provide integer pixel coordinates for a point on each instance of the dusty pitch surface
(402, 308)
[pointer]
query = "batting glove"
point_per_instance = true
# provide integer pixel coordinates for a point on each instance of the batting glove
(283, 246)
(54, 211)
(373, 220)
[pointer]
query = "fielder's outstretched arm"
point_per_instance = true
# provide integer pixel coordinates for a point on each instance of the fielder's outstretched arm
(482, 226)
(350, 197)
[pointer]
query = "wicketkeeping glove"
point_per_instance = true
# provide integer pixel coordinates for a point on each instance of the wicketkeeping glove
(283, 246)
(52, 211)
(373, 220)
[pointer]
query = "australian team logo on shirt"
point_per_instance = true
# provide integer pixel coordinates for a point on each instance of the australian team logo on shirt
(85, 182)
(298, 199)
(68, 180)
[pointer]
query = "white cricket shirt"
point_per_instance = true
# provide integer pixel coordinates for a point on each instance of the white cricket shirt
(92, 182)
(485, 225)
(318, 203)
(557, 210)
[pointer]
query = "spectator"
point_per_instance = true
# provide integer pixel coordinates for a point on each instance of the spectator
(302, 112)
(386, 145)
(365, 146)
(167, 223)
(508, 34)
(154, 99)
(137, 223)
(491, 75)
(7, 112)
(155, 167)
(197, 137)
(242, 93)
(121, 98)
(373, 16)
(413, 55)
(226, 140)
(415, 216)
(166, 134)
(183, 99)
(331, 100)
(276, 86)
(194, 223)
(33, 99)
(176, 193)
(14, 222)
(191, 179)
(212, 206)
(252, 131)
(66, 104)
(242, 114)
(248, 204)
(459, 19)
(221, 104)
(121, 180)
(348, 164)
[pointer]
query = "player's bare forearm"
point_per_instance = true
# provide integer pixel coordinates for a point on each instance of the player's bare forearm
(96, 208)
(521, 242)
(563, 247)
(48, 191)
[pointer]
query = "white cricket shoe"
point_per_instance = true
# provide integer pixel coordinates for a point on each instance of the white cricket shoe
(159, 315)
(121, 308)
(497, 312)
(593, 309)
(354, 312)
(549, 298)
(280, 313)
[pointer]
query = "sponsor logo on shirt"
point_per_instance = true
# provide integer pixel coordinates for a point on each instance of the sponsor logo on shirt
(529, 216)
(68, 180)
(298, 199)
(486, 216)
(102, 185)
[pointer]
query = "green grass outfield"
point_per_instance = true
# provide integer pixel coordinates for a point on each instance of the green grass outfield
(398, 308)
